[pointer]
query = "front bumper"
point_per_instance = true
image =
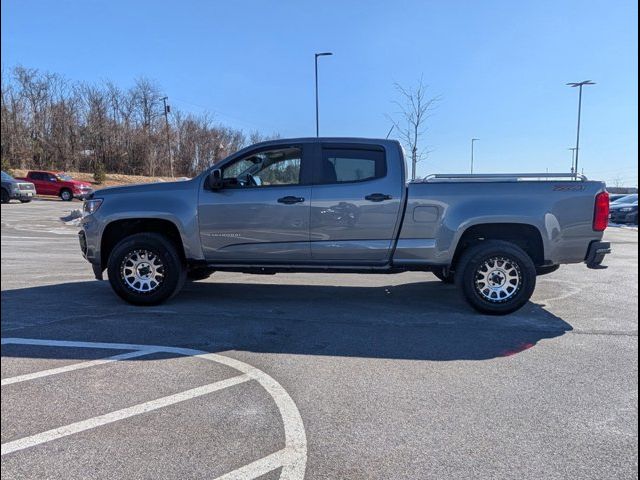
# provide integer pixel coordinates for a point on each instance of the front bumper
(82, 238)
(86, 253)
(82, 194)
(596, 253)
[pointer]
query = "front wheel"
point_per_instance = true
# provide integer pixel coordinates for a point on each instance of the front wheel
(496, 277)
(66, 195)
(25, 200)
(5, 196)
(146, 269)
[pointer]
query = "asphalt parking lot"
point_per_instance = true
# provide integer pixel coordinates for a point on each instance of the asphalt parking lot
(341, 377)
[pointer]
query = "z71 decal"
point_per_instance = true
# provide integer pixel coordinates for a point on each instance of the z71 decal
(568, 188)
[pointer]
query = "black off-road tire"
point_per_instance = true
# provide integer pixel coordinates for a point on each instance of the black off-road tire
(448, 277)
(173, 268)
(66, 195)
(472, 268)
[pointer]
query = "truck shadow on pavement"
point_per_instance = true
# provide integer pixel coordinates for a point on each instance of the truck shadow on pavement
(419, 321)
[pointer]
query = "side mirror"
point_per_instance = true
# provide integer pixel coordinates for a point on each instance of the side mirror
(215, 179)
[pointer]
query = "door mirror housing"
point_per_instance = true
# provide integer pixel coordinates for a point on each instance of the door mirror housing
(215, 179)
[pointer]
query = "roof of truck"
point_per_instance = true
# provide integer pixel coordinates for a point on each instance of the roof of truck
(343, 140)
(327, 139)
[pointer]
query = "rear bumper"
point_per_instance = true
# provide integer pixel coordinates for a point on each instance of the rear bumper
(22, 194)
(596, 253)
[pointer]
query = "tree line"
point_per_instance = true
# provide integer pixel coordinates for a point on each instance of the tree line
(50, 122)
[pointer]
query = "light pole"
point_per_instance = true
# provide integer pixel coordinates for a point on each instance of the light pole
(579, 85)
(323, 54)
(573, 159)
(167, 109)
(473, 140)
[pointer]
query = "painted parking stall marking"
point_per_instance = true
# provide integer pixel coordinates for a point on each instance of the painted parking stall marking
(75, 366)
(292, 458)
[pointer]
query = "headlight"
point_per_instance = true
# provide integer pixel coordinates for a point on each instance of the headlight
(91, 206)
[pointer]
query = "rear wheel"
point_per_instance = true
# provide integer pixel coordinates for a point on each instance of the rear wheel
(496, 277)
(66, 195)
(145, 269)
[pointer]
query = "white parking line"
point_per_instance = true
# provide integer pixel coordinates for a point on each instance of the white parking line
(258, 468)
(100, 420)
(19, 237)
(75, 366)
(292, 458)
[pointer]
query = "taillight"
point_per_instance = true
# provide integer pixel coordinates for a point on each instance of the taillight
(601, 215)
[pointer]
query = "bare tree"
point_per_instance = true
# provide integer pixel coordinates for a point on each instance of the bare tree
(618, 181)
(410, 121)
(48, 121)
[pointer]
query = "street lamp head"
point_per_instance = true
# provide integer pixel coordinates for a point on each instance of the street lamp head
(475, 139)
(323, 54)
(578, 84)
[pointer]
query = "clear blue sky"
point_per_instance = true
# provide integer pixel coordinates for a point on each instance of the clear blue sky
(500, 67)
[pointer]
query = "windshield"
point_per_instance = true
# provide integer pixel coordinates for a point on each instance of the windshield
(64, 176)
(6, 177)
(628, 199)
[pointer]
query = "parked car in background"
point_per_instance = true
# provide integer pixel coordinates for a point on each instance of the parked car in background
(58, 184)
(625, 210)
(614, 197)
(14, 189)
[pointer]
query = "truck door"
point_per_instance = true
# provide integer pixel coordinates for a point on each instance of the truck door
(38, 179)
(355, 204)
(261, 215)
(50, 184)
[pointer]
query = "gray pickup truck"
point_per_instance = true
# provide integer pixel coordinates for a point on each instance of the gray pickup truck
(344, 205)
(20, 190)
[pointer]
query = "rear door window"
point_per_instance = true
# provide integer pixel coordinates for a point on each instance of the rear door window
(340, 165)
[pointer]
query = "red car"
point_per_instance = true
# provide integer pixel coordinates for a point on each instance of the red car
(58, 184)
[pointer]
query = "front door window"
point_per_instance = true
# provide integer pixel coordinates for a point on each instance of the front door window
(278, 167)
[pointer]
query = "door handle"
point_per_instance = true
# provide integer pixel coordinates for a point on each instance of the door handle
(377, 197)
(290, 200)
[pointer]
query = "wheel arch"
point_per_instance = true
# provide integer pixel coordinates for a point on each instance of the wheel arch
(526, 236)
(117, 230)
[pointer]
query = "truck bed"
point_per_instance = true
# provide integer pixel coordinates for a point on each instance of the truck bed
(441, 209)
